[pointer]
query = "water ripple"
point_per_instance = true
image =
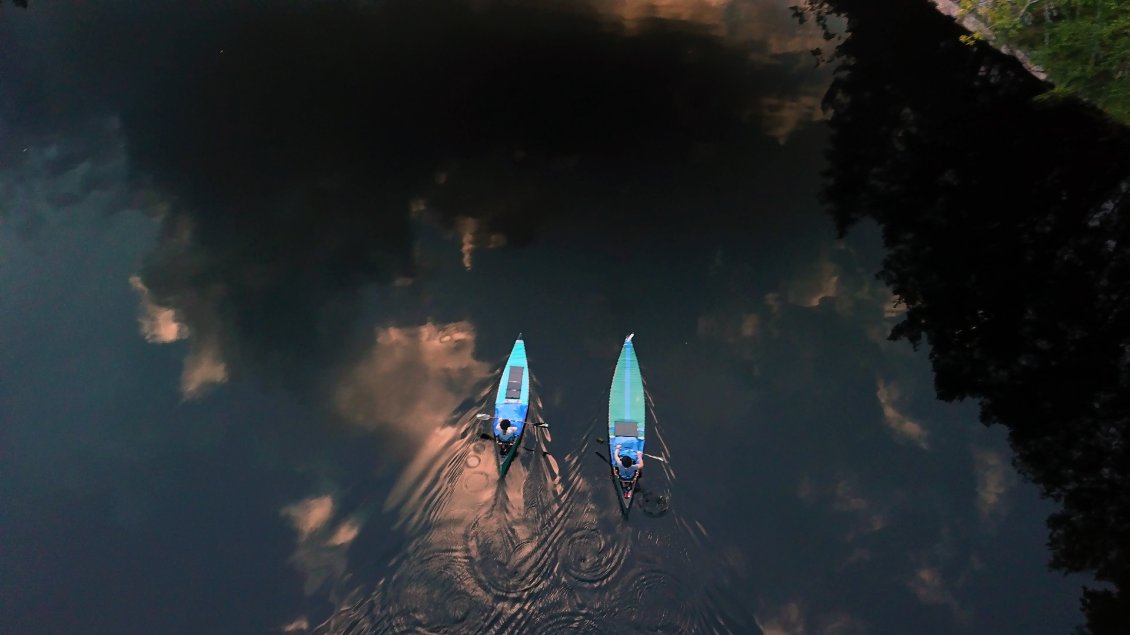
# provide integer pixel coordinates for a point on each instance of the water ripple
(592, 556)
(434, 591)
(506, 557)
(564, 621)
(543, 550)
(656, 601)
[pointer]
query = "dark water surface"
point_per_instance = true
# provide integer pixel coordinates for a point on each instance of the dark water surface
(261, 263)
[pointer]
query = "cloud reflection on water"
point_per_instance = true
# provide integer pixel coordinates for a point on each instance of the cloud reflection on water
(995, 478)
(541, 550)
(203, 365)
(412, 379)
(266, 246)
(779, 40)
(322, 543)
(792, 618)
(901, 425)
(839, 416)
(158, 323)
(266, 283)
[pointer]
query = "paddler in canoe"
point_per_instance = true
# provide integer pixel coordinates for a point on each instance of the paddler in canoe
(505, 434)
(631, 463)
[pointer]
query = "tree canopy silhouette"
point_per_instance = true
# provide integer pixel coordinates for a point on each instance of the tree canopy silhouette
(1006, 216)
(1083, 44)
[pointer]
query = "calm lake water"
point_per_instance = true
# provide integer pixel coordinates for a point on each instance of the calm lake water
(261, 264)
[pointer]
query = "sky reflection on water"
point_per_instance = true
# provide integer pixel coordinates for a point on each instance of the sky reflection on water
(241, 351)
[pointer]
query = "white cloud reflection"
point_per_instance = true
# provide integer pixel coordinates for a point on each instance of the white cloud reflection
(89, 172)
(843, 495)
(768, 24)
(994, 480)
(808, 286)
(320, 552)
(784, 114)
(344, 534)
(202, 367)
(901, 425)
(790, 619)
(786, 620)
(939, 575)
(929, 587)
(413, 378)
(472, 235)
(300, 625)
(159, 324)
(309, 515)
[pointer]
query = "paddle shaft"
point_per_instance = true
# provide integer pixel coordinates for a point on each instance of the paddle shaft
(540, 424)
(650, 456)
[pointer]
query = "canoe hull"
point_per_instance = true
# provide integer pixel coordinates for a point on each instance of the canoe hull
(625, 490)
(627, 419)
(512, 402)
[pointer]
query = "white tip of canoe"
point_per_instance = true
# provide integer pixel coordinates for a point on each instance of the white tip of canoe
(519, 337)
(629, 338)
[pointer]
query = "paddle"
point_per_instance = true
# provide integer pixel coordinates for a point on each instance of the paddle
(482, 416)
(537, 424)
(650, 456)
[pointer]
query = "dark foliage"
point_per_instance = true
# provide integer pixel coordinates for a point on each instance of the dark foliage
(1007, 223)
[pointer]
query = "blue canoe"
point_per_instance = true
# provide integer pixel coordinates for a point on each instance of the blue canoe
(511, 402)
(627, 413)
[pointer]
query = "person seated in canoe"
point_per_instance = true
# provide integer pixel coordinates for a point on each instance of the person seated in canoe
(631, 462)
(506, 433)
